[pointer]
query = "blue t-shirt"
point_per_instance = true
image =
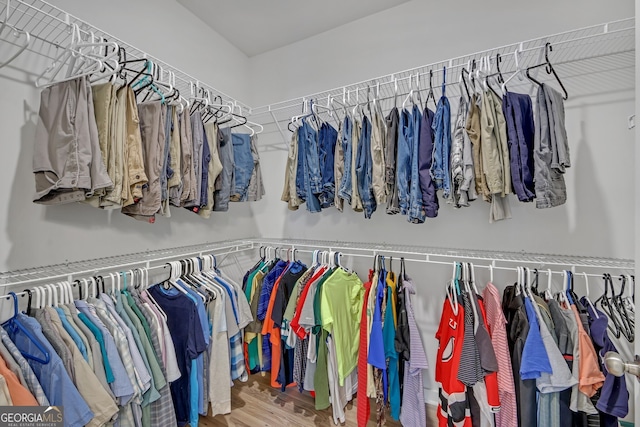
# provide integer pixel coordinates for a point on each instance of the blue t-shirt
(52, 376)
(188, 340)
(535, 359)
(72, 332)
(389, 337)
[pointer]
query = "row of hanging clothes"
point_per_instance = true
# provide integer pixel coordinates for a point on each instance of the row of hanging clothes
(401, 161)
(128, 354)
(531, 358)
(333, 335)
(128, 139)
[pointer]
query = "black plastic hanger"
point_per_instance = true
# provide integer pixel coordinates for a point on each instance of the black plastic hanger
(430, 94)
(549, 68)
(28, 291)
(498, 74)
(627, 328)
(605, 304)
(464, 81)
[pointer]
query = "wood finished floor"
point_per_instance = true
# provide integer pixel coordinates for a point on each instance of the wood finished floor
(255, 403)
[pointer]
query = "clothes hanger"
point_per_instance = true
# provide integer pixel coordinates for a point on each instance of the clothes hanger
(430, 94)
(497, 74)
(606, 306)
(463, 80)
(550, 70)
(491, 272)
(586, 296)
(548, 294)
(14, 324)
(519, 71)
(627, 326)
(410, 95)
(70, 52)
(17, 33)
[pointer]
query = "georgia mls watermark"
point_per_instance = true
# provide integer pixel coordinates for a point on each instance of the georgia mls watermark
(31, 416)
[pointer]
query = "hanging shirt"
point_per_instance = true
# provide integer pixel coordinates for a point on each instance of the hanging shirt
(453, 406)
(341, 305)
(363, 404)
(388, 336)
(52, 376)
(188, 340)
(20, 395)
(535, 360)
(507, 416)
(413, 412)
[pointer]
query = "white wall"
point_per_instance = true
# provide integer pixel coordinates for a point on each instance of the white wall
(33, 235)
(598, 218)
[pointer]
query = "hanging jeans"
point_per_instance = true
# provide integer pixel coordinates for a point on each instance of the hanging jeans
(403, 170)
(221, 197)
(425, 159)
(391, 152)
(243, 160)
(442, 147)
(364, 170)
(345, 186)
(518, 113)
(308, 140)
(416, 210)
(327, 143)
(166, 172)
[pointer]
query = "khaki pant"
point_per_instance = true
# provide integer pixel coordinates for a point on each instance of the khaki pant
(67, 161)
(152, 117)
(134, 176)
(215, 167)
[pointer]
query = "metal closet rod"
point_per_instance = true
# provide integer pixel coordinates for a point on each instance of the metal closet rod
(233, 247)
(455, 253)
(450, 263)
(437, 66)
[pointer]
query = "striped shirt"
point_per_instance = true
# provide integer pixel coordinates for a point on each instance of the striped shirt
(30, 377)
(413, 411)
(508, 415)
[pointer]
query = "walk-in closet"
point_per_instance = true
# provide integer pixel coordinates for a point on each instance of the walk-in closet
(281, 213)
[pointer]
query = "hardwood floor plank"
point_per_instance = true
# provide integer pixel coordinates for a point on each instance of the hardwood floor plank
(255, 403)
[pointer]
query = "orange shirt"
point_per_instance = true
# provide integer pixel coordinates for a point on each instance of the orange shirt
(589, 375)
(268, 327)
(19, 394)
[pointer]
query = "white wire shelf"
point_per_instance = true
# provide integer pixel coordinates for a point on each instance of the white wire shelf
(19, 280)
(50, 30)
(593, 60)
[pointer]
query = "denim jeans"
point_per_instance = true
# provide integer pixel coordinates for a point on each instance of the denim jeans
(164, 174)
(416, 210)
(425, 159)
(518, 113)
(301, 188)
(345, 186)
(390, 158)
(197, 140)
(442, 147)
(206, 159)
(221, 197)
(327, 145)
(403, 169)
(364, 170)
(308, 140)
(243, 160)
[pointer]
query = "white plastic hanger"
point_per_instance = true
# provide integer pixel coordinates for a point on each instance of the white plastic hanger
(17, 33)
(91, 63)
(586, 294)
(491, 272)
(410, 95)
(548, 292)
(518, 72)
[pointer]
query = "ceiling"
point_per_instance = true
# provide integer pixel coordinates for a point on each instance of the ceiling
(258, 26)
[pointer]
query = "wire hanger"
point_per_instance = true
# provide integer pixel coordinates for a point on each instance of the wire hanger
(549, 68)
